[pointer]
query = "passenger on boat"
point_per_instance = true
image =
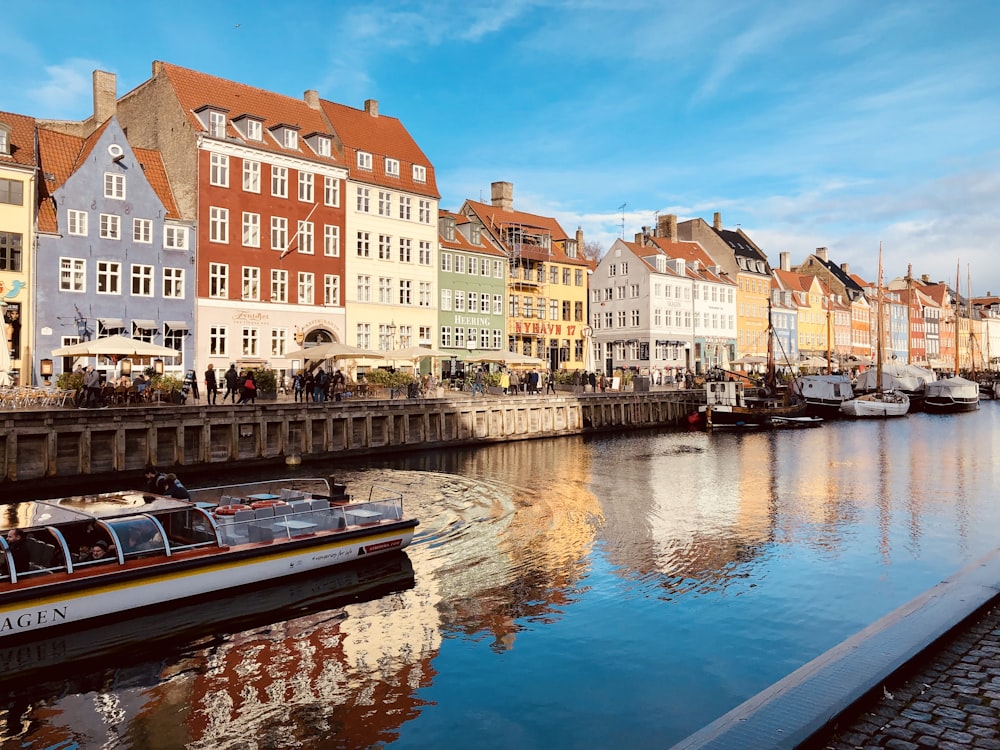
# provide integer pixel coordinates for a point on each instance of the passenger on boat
(153, 478)
(101, 552)
(19, 550)
(170, 485)
(140, 541)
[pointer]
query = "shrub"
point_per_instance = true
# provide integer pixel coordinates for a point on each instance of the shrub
(69, 381)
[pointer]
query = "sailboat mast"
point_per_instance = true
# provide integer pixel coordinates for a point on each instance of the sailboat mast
(878, 322)
(958, 308)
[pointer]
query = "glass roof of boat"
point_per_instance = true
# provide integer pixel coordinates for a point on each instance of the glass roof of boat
(36, 513)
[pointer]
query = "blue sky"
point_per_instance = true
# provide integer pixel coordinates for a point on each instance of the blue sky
(838, 124)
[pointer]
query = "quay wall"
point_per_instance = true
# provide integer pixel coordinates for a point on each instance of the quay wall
(46, 444)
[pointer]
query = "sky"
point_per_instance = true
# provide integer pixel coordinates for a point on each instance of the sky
(845, 125)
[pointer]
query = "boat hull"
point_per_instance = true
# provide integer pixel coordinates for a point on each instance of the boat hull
(62, 599)
(876, 406)
(950, 406)
(737, 417)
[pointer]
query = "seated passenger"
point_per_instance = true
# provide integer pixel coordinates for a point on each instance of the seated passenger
(170, 485)
(140, 540)
(101, 552)
(19, 550)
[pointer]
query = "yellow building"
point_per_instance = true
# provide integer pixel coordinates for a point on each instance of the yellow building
(547, 282)
(810, 296)
(18, 192)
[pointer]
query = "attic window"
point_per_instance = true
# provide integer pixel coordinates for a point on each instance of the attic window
(4, 139)
(364, 160)
(217, 124)
(291, 139)
(392, 167)
(255, 130)
(323, 146)
(419, 173)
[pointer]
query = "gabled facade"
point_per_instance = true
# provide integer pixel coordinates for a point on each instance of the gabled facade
(473, 281)
(546, 280)
(263, 177)
(18, 190)
(112, 255)
(811, 299)
(742, 260)
(785, 321)
(391, 230)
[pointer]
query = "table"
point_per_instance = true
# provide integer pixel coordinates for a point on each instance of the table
(364, 516)
(294, 524)
(263, 496)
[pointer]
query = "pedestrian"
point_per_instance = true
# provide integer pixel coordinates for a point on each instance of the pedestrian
(92, 388)
(319, 386)
(249, 394)
(477, 382)
(232, 383)
(211, 386)
(592, 379)
(298, 386)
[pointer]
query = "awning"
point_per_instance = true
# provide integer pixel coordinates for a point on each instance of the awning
(111, 322)
(176, 325)
(146, 325)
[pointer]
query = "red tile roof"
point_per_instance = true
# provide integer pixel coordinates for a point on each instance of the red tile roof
(382, 137)
(22, 140)
(460, 242)
(195, 89)
(496, 219)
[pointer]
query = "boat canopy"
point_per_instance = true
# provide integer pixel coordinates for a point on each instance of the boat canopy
(39, 513)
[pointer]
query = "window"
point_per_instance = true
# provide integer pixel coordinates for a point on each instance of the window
(331, 289)
(635, 318)
(425, 294)
(278, 338)
(279, 285)
(143, 330)
(424, 253)
(578, 311)
(459, 336)
(459, 300)
(279, 233)
(306, 187)
(77, 222)
(12, 192)
(255, 131)
(219, 170)
(578, 277)
(173, 283)
(249, 342)
(323, 146)
(405, 248)
(142, 280)
(114, 186)
(279, 181)
(306, 288)
(498, 272)
(291, 138)
(4, 140)
(364, 288)
(217, 124)
(446, 299)
(306, 231)
(498, 304)
(109, 277)
(251, 229)
(218, 280)
(446, 336)
(331, 240)
(419, 173)
(331, 191)
(484, 303)
(142, 230)
(364, 160)
(405, 292)
(567, 276)
(404, 207)
(553, 275)
(251, 283)
(459, 264)
(364, 245)
(251, 176)
(111, 227)
(384, 203)
(473, 265)
(364, 199)
(72, 273)
(424, 212)
(384, 247)
(554, 309)
(385, 290)
(446, 259)
(364, 335)
(218, 224)
(218, 341)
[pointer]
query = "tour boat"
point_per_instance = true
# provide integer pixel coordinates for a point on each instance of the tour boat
(160, 549)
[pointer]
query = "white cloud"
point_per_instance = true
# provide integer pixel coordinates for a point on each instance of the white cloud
(67, 90)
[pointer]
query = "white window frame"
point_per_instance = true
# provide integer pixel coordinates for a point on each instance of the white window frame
(306, 185)
(142, 231)
(364, 288)
(175, 238)
(114, 186)
(218, 224)
(142, 275)
(109, 274)
(251, 229)
(218, 280)
(255, 130)
(279, 181)
(217, 124)
(251, 284)
(72, 275)
(364, 160)
(364, 200)
(331, 289)
(218, 341)
(331, 191)
(173, 283)
(405, 206)
(76, 222)
(306, 288)
(279, 285)
(306, 237)
(419, 173)
(251, 176)
(279, 233)
(392, 167)
(331, 240)
(111, 227)
(218, 173)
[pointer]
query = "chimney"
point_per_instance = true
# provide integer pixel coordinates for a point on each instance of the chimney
(925, 278)
(579, 239)
(823, 254)
(157, 67)
(639, 237)
(503, 195)
(371, 107)
(846, 268)
(717, 221)
(105, 95)
(312, 98)
(666, 227)
(785, 259)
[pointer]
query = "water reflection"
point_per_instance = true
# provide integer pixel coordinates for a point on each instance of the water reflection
(577, 592)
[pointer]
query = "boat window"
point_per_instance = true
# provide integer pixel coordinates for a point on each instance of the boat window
(138, 536)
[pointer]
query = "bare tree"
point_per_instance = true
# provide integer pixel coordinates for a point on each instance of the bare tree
(592, 250)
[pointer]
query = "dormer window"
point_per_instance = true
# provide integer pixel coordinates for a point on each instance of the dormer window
(364, 160)
(286, 135)
(474, 235)
(392, 167)
(419, 173)
(217, 124)
(323, 146)
(319, 143)
(291, 139)
(4, 139)
(255, 130)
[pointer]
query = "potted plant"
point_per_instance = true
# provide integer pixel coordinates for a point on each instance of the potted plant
(267, 383)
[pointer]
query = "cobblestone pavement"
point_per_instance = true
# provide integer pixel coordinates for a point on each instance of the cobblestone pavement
(949, 700)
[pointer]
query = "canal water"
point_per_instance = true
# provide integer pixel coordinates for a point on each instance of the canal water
(622, 590)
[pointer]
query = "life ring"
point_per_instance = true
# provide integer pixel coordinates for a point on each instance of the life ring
(230, 510)
(267, 504)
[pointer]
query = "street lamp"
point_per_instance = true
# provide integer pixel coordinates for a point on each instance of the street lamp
(391, 333)
(126, 366)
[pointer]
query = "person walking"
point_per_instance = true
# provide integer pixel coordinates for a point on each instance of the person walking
(298, 387)
(249, 395)
(550, 383)
(232, 383)
(92, 388)
(211, 386)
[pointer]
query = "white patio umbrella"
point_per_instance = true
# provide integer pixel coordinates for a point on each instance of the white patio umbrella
(334, 350)
(4, 361)
(505, 358)
(115, 346)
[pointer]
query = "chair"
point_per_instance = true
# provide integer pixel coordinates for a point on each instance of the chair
(319, 504)
(267, 512)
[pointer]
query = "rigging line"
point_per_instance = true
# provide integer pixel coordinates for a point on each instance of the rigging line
(288, 249)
